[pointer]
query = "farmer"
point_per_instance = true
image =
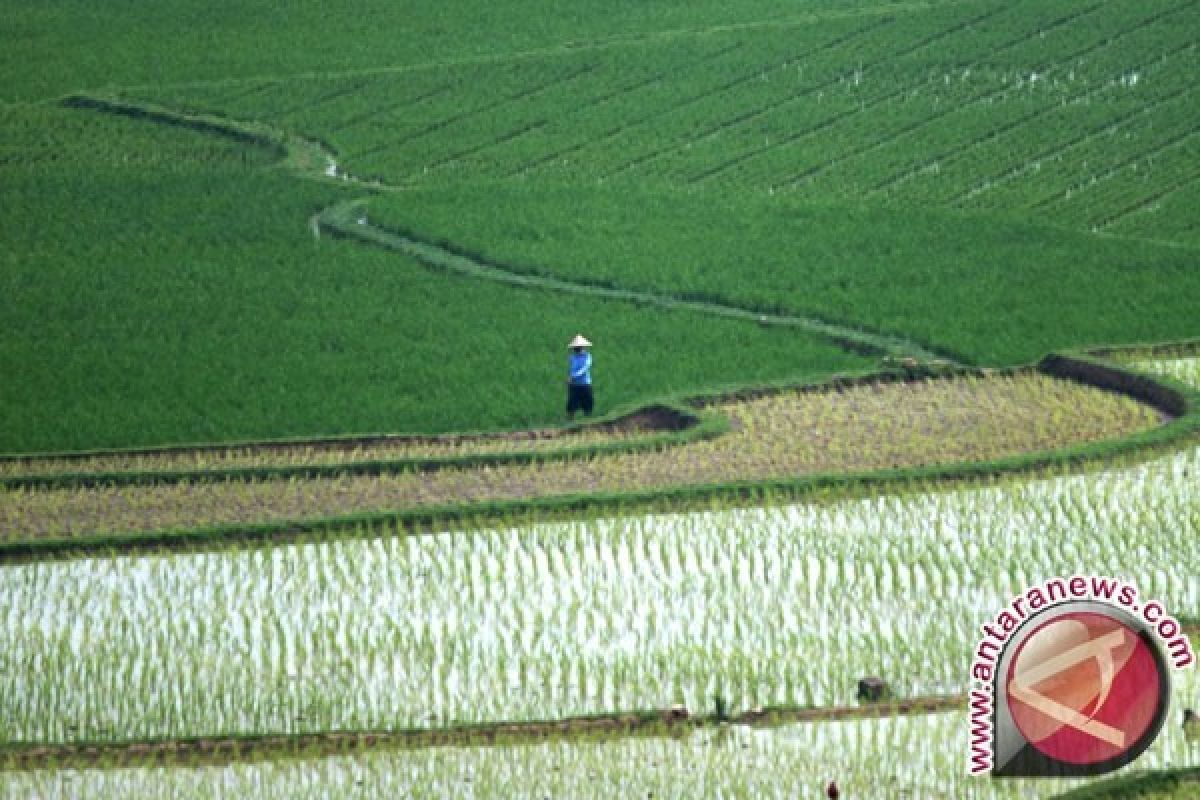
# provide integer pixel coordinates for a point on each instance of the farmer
(579, 378)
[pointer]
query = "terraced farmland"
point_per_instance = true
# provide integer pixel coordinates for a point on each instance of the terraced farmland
(775, 437)
(821, 249)
(777, 607)
(779, 167)
(968, 179)
(755, 607)
(897, 757)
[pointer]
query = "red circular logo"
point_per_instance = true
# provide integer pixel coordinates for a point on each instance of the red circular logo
(1084, 688)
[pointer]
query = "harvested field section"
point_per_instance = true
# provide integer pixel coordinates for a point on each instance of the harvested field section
(870, 427)
(347, 451)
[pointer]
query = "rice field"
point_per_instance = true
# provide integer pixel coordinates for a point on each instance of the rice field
(779, 435)
(329, 453)
(914, 757)
(723, 611)
(1184, 370)
(773, 606)
(720, 195)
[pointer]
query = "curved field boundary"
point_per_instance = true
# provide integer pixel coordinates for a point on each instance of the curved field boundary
(311, 159)
(1170, 397)
(314, 160)
(346, 220)
(652, 427)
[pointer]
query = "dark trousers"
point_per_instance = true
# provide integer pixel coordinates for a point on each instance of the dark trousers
(579, 398)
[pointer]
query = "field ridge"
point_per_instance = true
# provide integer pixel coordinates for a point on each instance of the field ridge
(314, 160)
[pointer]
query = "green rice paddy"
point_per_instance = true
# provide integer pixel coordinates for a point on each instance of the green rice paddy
(265, 266)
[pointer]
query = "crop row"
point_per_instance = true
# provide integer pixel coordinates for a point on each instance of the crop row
(853, 76)
(904, 757)
(774, 606)
(501, 93)
(776, 436)
(1002, 105)
(1011, 121)
(1156, 119)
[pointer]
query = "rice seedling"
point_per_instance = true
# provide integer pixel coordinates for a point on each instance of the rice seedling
(770, 606)
(917, 756)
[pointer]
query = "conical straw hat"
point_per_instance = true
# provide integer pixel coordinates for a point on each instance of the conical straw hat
(579, 341)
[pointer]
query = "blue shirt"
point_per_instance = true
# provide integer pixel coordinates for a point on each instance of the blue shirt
(581, 369)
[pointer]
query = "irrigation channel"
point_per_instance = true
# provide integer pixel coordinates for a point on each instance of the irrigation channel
(398, 659)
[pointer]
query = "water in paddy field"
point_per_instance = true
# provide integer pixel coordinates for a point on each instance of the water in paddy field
(921, 756)
(767, 606)
(780, 606)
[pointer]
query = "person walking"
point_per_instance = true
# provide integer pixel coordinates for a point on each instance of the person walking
(579, 378)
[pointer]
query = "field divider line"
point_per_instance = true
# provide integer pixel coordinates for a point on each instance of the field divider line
(347, 220)
(499, 141)
(1178, 140)
(955, 153)
(1144, 204)
(997, 180)
(620, 91)
(833, 82)
(724, 88)
(810, 174)
(819, 89)
(226, 748)
(796, 136)
(320, 100)
(454, 119)
(388, 110)
(254, 88)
